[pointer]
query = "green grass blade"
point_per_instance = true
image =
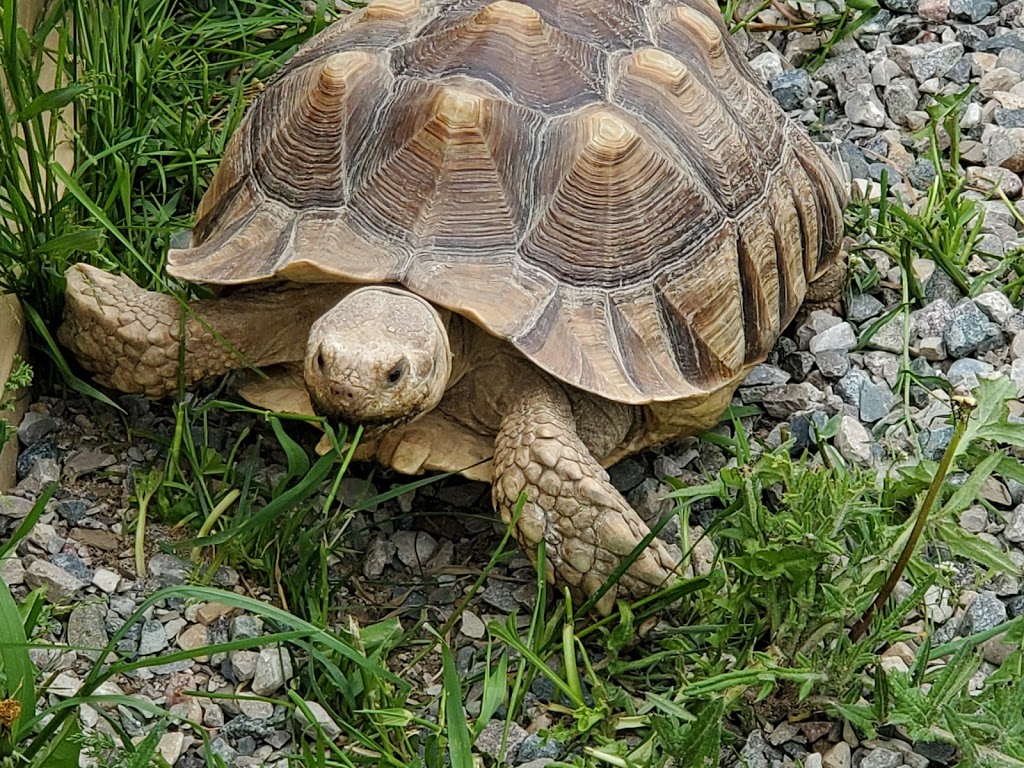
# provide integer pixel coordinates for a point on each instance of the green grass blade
(460, 750)
(18, 671)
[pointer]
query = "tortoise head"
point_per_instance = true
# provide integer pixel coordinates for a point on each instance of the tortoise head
(380, 357)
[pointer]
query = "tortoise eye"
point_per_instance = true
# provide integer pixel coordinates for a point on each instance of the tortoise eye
(395, 374)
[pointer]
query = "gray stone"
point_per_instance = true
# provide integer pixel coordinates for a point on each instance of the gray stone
(849, 387)
(970, 331)
(321, 717)
(967, 370)
(273, 670)
(60, 585)
(44, 537)
(788, 399)
(972, 10)
(87, 629)
(875, 402)
(1014, 530)
(932, 320)
(854, 442)
(927, 60)
(12, 571)
(838, 756)
(753, 753)
(243, 664)
(73, 511)
(888, 338)
(767, 66)
(932, 348)
(882, 758)
(840, 336)
(537, 747)
(864, 108)
(168, 570)
(974, 519)
(73, 564)
(34, 427)
(833, 363)
(939, 285)
(852, 155)
(1010, 118)
(934, 442)
(88, 461)
(765, 375)
(996, 306)
(863, 306)
(987, 611)
(791, 88)
(14, 507)
(153, 639)
(900, 6)
(491, 738)
(414, 548)
(500, 595)
(378, 556)
(246, 627)
(921, 173)
(901, 97)
(1004, 147)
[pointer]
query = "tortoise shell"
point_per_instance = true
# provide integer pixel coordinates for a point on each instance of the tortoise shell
(602, 183)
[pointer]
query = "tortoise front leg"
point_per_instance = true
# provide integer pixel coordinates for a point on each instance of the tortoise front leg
(570, 502)
(129, 337)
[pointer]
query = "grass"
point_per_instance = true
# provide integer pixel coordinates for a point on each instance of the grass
(820, 566)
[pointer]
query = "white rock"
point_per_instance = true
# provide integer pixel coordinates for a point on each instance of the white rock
(974, 519)
(106, 580)
(939, 604)
(853, 441)
(1014, 530)
(273, 670)
(255, 708)
(894, 664)
(841, 336)
(864, 108)
(12, 571)
(243, 664)
(172, 746)
(837, 757)
(472, 626)
(996, 305)
(65, 685)
(767, 65)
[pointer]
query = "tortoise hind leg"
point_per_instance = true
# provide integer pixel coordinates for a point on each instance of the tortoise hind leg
(570, 503)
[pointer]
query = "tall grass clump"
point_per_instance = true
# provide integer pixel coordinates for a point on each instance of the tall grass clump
(138, 98)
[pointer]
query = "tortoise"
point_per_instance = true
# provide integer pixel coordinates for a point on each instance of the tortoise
(540, 235)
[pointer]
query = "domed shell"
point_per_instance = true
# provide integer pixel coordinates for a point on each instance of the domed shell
(603, 183)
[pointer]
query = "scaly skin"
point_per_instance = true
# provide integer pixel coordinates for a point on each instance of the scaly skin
(129, 337)
(570, 502)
